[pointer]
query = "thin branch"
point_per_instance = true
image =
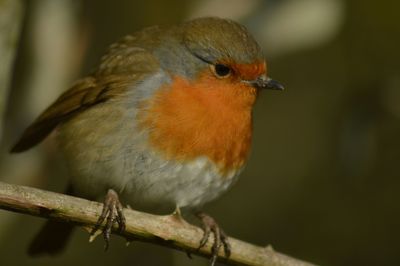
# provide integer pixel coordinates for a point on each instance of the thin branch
(169, 230)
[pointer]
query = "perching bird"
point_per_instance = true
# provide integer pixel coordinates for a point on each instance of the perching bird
(164, 121)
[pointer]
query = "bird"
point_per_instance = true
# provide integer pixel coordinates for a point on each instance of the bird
(164, 121)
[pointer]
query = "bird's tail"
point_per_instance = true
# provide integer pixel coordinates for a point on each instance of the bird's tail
(51, 239)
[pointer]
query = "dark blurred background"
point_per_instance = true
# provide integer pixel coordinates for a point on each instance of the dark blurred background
(323, 181)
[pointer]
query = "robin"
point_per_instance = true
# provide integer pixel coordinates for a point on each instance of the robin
(164, 121)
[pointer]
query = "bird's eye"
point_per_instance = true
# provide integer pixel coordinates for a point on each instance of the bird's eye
(221, 71)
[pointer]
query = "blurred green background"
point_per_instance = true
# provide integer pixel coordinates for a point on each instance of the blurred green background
(323, 181)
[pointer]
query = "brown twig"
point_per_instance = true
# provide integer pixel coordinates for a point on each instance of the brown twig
(169, 230)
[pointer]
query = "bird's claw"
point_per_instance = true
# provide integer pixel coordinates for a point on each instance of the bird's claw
(112, 212)
(220, 238)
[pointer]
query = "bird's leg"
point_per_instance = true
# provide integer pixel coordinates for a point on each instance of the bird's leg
(112, 210)
(220, 238)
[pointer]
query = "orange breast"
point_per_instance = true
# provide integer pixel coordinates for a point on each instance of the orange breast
(209, 117)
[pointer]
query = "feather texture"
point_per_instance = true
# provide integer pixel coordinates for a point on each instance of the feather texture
(121, 67)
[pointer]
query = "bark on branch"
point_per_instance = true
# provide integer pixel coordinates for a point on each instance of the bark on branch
(168, 230)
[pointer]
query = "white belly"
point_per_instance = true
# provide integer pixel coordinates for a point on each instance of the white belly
(113, 154)
(168, 184)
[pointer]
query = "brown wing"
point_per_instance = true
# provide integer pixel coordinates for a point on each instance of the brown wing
(124, 65)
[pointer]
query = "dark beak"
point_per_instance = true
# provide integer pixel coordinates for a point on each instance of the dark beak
(264, 82)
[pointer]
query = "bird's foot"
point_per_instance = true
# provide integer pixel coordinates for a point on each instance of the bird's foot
(220, 238)
(112, 210)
